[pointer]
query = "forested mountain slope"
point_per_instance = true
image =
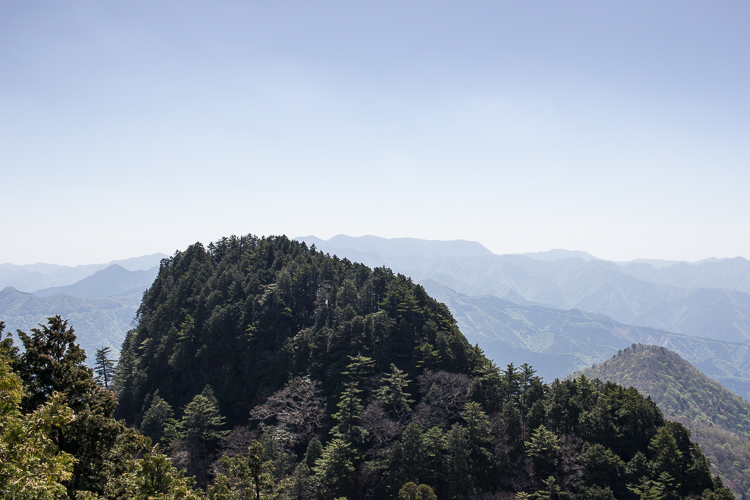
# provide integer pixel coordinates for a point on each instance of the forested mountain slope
(357, 384)
(718, 418)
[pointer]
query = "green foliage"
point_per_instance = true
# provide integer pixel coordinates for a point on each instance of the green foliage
(244, 312)
(334, 470)
(544, 449)
(104, 367)
(348, 418)
(198, 433)
(677, 387)
(393, 393)
(718, 419)
(297, 343)
(411, 491)
(31, 465)
(156, 419)
(246, 477)
(66, 444)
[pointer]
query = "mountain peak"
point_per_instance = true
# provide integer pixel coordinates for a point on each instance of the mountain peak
(399, 247)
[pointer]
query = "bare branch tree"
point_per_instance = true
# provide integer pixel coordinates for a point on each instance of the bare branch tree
(296, 410)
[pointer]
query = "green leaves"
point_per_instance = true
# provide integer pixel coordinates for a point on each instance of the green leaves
(104, 367)
(31, 465)
(245, 477)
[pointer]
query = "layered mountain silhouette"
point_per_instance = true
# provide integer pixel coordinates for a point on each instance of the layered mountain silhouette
(111, 281)
(28, 278)
(584, 305)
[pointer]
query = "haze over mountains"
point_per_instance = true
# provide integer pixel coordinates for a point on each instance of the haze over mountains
(700, 310)
(99, 300)
(558, 310)
(27, 278)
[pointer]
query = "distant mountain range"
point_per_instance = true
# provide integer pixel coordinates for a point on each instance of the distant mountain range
(557, 342)
(584, 305)
(559, 310)
(720, 309)
(98, 322)
(114, 280)
(100, 302)
(718, 419)
(28, 278)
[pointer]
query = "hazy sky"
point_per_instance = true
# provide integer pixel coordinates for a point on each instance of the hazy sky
(619, 128)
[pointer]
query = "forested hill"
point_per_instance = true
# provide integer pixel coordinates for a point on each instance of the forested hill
(352, 382)
(676, 386)
(718, 418)
(244, 313)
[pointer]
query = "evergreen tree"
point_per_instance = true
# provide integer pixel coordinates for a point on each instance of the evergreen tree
(52, 362)
(544, 449)
(31, 465)
(156, 418)
(393, 394)
(412, 491)
(104, 367)
(199, 430)
(348, 417)
(334, 470)
(246, 477)
(406, 459)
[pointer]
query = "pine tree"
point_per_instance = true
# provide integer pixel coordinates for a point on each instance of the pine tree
(393, 392)
(156, 418)
(334, 470)
(104, 367)
(348, 418)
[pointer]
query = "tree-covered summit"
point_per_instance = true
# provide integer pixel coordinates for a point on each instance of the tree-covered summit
(269, 369)
(244, 313)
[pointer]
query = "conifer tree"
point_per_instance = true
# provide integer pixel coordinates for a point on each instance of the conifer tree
(393, 392)
(199, 429)
(104, 367)
(334, 470)
(156, 418)
(348, 417)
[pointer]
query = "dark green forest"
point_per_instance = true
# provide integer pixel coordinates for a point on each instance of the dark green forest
(718, 419)
(260, 368)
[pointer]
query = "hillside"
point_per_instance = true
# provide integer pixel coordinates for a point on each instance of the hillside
(562, 341)
(360, 385)
(99, 322)
(719, 419)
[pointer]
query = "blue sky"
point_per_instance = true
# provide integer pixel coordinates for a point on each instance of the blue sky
(619, 128)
